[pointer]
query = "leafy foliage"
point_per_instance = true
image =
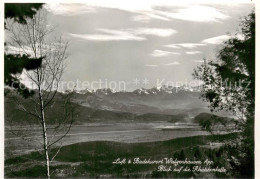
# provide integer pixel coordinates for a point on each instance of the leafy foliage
(210, 122)
(15, 63)
(20, 11)
(229, 79)
(229, 84)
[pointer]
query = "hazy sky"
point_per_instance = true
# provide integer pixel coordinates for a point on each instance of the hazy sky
(143, 41)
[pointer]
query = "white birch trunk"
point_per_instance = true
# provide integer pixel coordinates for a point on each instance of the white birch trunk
(45, 139)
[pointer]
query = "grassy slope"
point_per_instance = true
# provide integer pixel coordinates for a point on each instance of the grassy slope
(96, 157)
(81, 114)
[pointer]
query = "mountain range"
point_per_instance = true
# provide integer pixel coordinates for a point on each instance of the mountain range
(171, 104)
(161, 100)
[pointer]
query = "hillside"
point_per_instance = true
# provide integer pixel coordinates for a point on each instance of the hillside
(107, 106)
(94, 159)
(209, 121)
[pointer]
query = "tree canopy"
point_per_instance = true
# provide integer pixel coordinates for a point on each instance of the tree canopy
(15, 63)
(229, 80)
(20, 11)
(229, 84)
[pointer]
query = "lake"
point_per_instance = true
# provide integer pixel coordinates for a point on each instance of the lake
(119, 132)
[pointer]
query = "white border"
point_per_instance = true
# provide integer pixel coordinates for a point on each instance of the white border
(257, 96)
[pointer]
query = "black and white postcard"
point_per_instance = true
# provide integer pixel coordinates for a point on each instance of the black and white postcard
(129, 89)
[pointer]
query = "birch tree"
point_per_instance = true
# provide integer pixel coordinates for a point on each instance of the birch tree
(36, 39)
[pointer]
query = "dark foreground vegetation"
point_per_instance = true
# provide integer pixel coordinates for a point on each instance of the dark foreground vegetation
(95, 159)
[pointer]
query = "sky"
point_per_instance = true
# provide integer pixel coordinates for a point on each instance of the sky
(142, 43)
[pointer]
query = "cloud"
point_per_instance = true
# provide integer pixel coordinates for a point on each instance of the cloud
(198, 61)
(137, 34)
(185, 45)
(193, 52)
(240, 36)
(151, 65)
(146, 17)
(154, 31)
(196, 13)
(109, 35)
(10, 49)
(191, 45)
(164, 64)
(141, 18)
(145, 11)
(161, 53)
(216, 40)
(172, 46)
(72, 9)
(170, 64)
(213, 40)
(27, 50)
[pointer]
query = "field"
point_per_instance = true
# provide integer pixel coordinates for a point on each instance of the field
(94, 159)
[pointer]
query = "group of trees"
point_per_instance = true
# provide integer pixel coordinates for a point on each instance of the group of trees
(229, 84)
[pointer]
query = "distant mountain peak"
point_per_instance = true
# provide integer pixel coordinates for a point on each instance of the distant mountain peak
(85, 91)
(104, 91)
(164, 89)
